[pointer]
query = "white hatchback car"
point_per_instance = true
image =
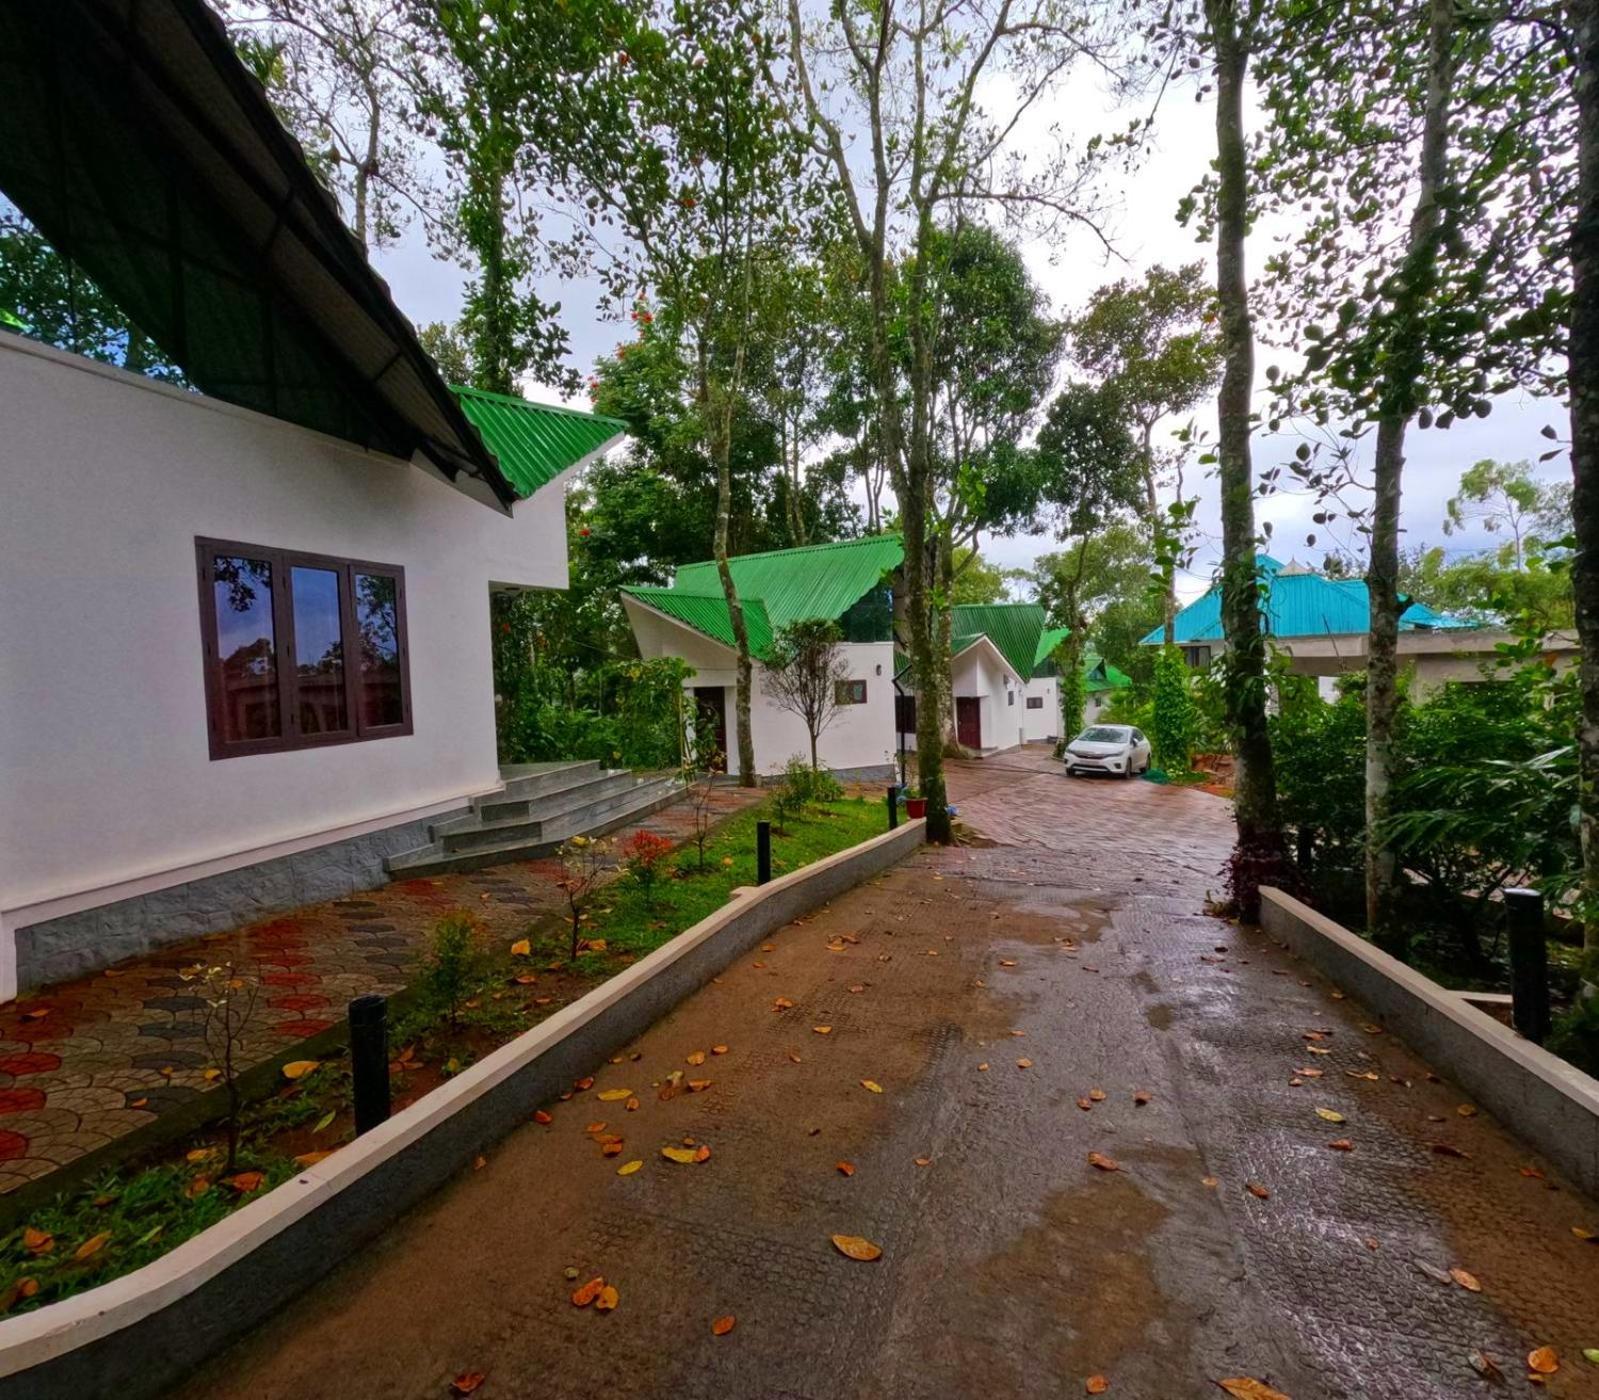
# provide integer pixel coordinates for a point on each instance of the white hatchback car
(1108, 748)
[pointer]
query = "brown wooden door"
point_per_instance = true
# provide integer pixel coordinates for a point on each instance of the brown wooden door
(710, 720)
(969, 721)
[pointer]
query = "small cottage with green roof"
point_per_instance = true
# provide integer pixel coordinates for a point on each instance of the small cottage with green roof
(850, 582)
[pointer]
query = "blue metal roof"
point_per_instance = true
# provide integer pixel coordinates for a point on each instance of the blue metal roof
(1301, 605)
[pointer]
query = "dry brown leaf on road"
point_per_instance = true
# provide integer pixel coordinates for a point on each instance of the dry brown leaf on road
(723, 1325)
(718, 1049)
(542, 1118)
(782, 1004)
(1465, 1280)
(1248, 1388)
(1103, 1163)
(857, 1247)
(1085, 1104)
(1142, 1097)
(1024, 1064)
(697, 1058)
(1096, 1385)
(1341, 1145)
(924, 1161)
(607, 1300)
(1545, 1361)
(1097, 1095)
(845, 1168)
(1485, 1366)
(1259, 1192)
(587, 1293)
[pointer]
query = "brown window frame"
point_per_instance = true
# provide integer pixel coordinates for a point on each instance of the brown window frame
(1035, 702)
(851, 692)
(283, 562)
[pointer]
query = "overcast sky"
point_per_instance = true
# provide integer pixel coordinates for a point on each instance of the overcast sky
(1145, 231)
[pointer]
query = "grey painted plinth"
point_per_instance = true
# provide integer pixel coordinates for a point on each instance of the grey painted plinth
(139, 1335)
(1540, 1098)
(76, 944)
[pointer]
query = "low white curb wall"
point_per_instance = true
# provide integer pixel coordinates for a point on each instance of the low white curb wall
(1548, 1103)
(139, 1334)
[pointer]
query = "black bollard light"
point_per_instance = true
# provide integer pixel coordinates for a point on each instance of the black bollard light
(893, 805)
(763, 853)
(369, 1060)
(1529, 964)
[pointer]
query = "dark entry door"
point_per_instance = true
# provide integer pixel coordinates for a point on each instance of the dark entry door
(710, 720)
(969, 721)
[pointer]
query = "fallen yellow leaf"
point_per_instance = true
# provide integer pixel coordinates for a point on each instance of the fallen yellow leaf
(1328, 1115)
(872, 1085)
(1545, 1361)
(91, 1246)
(697, 1058)
(628, 1168)
(855, 1247)
(310, 1159)
(522, 948)
(822, 1030)
(1246, 1388)
(678, 1154)
(613, 1095)
(38, 1241)
(607, 1300)
(298, 1069)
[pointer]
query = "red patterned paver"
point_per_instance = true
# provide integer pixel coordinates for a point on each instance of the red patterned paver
(84, 1062)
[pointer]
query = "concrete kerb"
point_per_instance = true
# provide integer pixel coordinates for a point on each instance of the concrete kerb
(139, 1334)
(1551, 1105)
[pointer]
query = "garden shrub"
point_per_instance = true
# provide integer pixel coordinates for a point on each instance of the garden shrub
(626, 714)
(644, 853)
(448, 973)
(1575, 1036)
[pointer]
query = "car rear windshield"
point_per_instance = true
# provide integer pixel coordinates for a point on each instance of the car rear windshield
(1103, 734)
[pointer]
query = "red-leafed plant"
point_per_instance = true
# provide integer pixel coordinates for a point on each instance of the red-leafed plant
(645, 853)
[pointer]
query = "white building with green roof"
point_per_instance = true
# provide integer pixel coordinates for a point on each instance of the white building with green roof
(850, 582)
(244, 620)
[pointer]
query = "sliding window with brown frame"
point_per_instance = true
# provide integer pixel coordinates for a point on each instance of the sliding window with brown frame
(301, 650)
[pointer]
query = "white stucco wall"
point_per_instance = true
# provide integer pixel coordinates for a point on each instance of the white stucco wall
(860, 736)
(1042, 723)
(108, 479)
(980, 671)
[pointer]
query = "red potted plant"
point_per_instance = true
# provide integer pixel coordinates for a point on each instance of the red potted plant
(915, 805)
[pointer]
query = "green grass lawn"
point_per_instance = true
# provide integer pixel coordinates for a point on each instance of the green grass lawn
(135, 1213)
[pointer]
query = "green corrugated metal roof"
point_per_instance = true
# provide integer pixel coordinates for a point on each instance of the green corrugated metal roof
(535, 442)
(1099, 674)
(1300, 605)
(1048, 640)
(801, 585)
(1014, 628)
(710, 615)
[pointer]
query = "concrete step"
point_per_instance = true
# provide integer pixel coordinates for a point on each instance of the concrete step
(573, 810)
(648, 796)
(588, 785)
(526, 782)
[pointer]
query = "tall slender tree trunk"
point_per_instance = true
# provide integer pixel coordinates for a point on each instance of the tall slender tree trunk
(1160, 537)
(943, 638)
(719, 416)
(1260, 856)
(1583, 377)
(1405, 361)
(913, 521)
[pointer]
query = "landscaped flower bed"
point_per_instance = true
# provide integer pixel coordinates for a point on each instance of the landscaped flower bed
(469, 1000)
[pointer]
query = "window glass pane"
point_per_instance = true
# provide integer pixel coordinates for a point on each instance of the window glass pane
(318, 651)
(246, 648)
(377, 618)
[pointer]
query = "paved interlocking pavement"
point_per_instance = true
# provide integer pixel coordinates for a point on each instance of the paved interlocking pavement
(1020, 1006)
(85, 1062)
